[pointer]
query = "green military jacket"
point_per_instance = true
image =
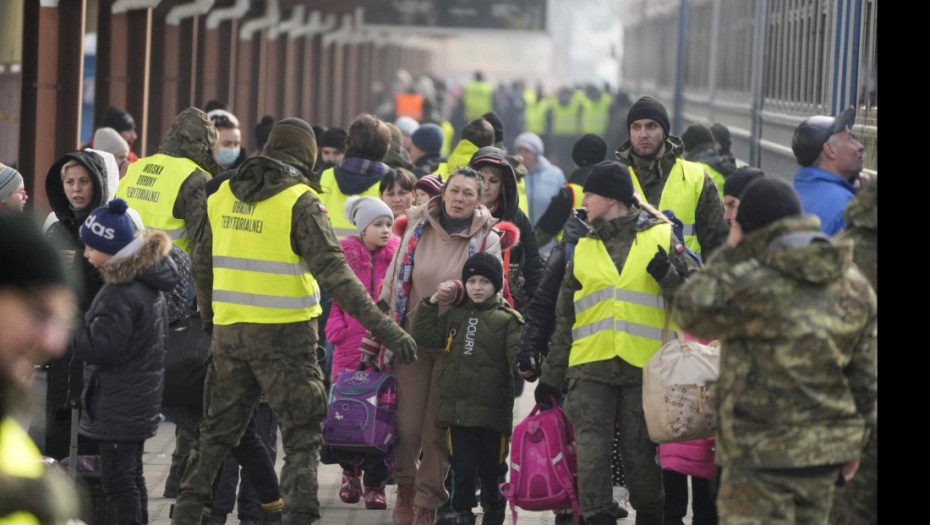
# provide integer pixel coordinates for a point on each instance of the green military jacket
(312, 237)
(798, 326)
(709, 226)
(861, 216)
(476, 380)
(618, 236)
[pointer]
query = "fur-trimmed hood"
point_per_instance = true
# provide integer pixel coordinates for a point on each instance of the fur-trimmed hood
(148, 264)
(357, 255)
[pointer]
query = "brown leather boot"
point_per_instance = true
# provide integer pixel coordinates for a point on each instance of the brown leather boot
(424, 516)
(403, 507)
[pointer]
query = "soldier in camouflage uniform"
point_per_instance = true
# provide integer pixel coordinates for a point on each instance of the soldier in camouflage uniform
(607, 388)
(798, 329)
(653, 158)
(857, 501)
(191, 136)
(273, 357)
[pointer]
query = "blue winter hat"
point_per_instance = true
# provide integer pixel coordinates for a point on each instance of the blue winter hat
(108, 229)
(428, 138)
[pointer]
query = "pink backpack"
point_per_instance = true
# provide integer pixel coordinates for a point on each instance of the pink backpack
(543, 465)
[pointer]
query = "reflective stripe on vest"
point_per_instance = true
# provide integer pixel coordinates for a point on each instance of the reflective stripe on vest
(335, 202)
(715, 176)
(521, 191)
(409, 105)
(618, 314)
(151, 187)
(680, 194)
(535, 112)
(595, 115)
(477, 97)
(565, 118)
(577, 196)
(257, 277)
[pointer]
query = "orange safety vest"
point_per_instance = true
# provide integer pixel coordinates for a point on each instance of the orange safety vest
(409, 105)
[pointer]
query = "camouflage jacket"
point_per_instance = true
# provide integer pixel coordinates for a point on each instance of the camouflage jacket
(618, 236)
(861, 216)
(192, 136)
(711, 229)
(312, 237)
(798, 329)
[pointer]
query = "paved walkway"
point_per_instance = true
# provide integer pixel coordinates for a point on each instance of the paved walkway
(157, 461)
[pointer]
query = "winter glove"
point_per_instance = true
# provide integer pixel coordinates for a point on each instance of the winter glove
(528, 361)
(399, 344)
(544, 394)
(659, 266)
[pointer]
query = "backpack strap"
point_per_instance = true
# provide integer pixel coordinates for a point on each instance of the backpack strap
(559, 463)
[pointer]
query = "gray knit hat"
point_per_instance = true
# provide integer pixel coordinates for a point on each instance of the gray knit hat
(362, 211)
(107, 139)
(10, 179)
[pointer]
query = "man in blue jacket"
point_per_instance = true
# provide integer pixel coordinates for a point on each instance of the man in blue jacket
(831, 160)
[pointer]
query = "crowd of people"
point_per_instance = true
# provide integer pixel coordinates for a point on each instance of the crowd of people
(463, 274)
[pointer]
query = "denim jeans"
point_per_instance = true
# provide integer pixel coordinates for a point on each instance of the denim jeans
(123, 482)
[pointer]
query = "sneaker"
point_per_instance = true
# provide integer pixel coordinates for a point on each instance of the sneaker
(374, 498)
(351, 489)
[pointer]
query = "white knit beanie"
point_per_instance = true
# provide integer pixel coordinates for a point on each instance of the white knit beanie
(107, 139)
(362, 211)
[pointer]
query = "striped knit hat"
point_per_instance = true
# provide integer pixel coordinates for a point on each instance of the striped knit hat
(431, 184)
(10, 179)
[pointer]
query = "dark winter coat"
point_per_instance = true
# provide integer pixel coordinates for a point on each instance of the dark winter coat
(426, 164)
(525, 263)
(476, 380)
(64, 234)
(122, 344)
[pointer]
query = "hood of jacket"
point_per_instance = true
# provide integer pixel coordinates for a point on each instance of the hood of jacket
(149, 264)
(354, 175)
(795, 246)
(192, 136)
(58, 201)
(862, 210)
(460, 156)
(358, 256)
(509, 199)
(262, 177)
(645, 167)
(397, 156)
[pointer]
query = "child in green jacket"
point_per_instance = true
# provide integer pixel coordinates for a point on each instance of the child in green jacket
(480, 337)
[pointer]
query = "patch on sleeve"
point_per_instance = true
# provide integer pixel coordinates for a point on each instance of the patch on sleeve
(679, 247)
(323, 207)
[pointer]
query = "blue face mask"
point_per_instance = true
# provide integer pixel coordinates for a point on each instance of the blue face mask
(227, 156)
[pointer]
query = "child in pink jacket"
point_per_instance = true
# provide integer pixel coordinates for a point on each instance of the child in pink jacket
(368, 254)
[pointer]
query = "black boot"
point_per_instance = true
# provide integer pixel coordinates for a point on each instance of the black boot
(494, 512)
(465, 517)
(271, 517)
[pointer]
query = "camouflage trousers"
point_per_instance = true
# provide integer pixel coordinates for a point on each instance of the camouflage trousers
(594, 409)
(856, 502)
(249, 359)
(775, 497)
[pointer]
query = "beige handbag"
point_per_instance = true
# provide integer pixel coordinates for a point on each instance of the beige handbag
(676, 398)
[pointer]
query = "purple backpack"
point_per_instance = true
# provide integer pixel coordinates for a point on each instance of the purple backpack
(361, 412)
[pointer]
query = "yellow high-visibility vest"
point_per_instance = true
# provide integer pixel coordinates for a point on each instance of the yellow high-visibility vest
(618, 314)
(680, 194)
(335, 201)
(447, 133)
(257, 277)
(715, 176)
(535, 112)
(521, 191)
(577, 196)
(595, 115)
(19, 457)
(460, 156)
(565, 118)
(478, 99)
(151, 187)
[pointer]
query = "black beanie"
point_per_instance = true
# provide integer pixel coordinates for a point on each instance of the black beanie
(590, 149)
(697, 135)
(721, 135)
(765, 201)
(485, 265)
(28, 258)
(610, 179)
(495, 121)
(117, 119)
(739, 180)
(262, 129)
(334, 138)
(648, 107)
